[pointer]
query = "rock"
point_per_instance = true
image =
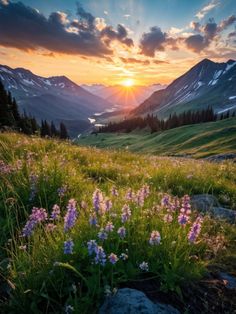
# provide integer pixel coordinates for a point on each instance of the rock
(222, 157)
(208, 204)
(230, 281)
(204, 202)
(131, 301)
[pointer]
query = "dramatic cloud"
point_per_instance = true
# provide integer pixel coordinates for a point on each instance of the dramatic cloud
(25, 28)
(196, 43)
(195, 26)
(226, 23)
(153, 41)
(156, 40)
(206, 9)
(134, 60)
(121, 35)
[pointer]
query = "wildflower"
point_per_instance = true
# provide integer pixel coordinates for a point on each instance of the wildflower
(102, 235)
(186, 207)
(183, 219)
(168, 218)
(155, 238)
(140, 198)
(165, 200)
(50, 227)
(113, 258)
(114, 191)
(107, 290)
(123, 256)
(100, 257)
(68, 247)
(37, 216)
(122, 232)
(93, 219)
(109, 227)
(108, 205)
(97, 199)
(144, 266)
(146, 190)
(71, 215)
(126, 213)
(22, 247)
(55, 212)
(69, 309)
(92, 246)
(62, 191)
(129, 195)
(83, 205)
(195, 230)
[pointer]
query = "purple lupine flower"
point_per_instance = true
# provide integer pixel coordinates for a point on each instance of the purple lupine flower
(93, 219)
(71, 215)
(108, 205)
(140, 198)
(113, 258)
(37, 216)
(97, 199)
(5, 168)
(168, 218)
(146, 190)
(183, 219)
(55, 212)
(130, 195)
(109, 227)
(144, 266)
(102, 235)
(126, 213)
(122, 232)
(68, 247)
(62, 191)
(114, 191)
(92, 246)
(165, 201)
(195, 230)
(186, 207)
(155, 238)
(123, 256)
(100, 257)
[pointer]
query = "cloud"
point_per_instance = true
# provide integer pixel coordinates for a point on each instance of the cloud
(105, 12)
(153, 41)
(156, 40)
(226, 23)
(121, 35)
(134, 60)
(126, 16)
(100, 23)
(195, 26)
(196, 43)
(25, 28)
(211, 5)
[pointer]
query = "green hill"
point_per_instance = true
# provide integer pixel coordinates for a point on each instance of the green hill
(198, 140)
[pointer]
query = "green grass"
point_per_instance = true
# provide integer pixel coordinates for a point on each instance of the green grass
(32, 171)
(200, 140)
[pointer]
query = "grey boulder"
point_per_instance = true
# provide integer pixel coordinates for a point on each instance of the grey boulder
(131, 301)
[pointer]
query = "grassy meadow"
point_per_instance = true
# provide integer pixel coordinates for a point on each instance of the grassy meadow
(118, 217)
(200, 140)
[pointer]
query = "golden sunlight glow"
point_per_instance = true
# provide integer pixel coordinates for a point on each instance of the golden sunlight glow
(128, 82)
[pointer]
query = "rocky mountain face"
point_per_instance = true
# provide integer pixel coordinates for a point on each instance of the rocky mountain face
(53, 98)
(206, 84)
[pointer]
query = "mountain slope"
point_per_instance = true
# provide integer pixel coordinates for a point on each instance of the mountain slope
(53, 98)
(197, 140)
(206, 84)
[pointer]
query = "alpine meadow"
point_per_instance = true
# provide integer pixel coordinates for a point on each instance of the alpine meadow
(117, 157)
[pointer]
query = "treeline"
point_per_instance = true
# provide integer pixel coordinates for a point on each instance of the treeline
(156, 124)
(10, 118)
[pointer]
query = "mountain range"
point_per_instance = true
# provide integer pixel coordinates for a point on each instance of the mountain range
(206, 84)
(124, 97)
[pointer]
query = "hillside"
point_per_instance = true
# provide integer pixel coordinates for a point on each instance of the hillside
(78, 222)
(199, 140)
(206, 84)
(54, 98)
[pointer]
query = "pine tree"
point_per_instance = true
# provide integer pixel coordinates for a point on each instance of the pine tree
(63, 131)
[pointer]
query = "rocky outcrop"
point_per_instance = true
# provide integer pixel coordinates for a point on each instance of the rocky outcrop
(131, 301)
(208, 204)
(222, 157)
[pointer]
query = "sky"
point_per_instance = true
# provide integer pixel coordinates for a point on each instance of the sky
(115, 41)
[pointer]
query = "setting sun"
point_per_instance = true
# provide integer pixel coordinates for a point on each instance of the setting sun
(128, 82)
